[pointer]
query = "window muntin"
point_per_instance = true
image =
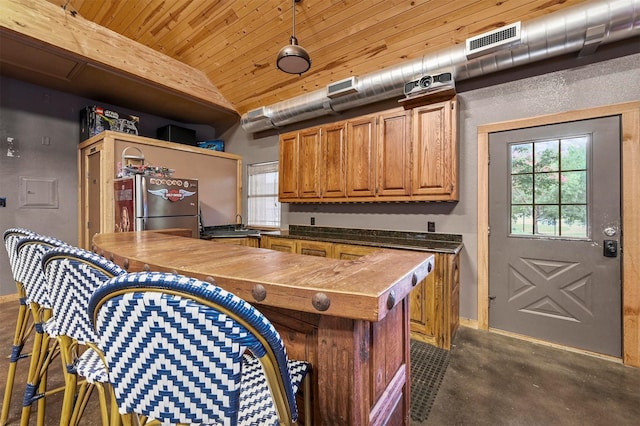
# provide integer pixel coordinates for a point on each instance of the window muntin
(549, 187)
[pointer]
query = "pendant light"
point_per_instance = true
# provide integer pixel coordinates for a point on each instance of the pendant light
(293, 59)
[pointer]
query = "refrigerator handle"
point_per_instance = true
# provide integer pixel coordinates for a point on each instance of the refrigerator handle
(141, 224)
(141, 197)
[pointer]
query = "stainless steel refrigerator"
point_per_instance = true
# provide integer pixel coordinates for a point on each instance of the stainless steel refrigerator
(148, 202)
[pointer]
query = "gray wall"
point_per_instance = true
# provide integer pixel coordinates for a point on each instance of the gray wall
(602, 83)
(27, 114)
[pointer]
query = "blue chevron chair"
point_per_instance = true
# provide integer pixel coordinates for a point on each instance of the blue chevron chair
(176, 350)
(29, 272)
(72, 275)
(24, 327)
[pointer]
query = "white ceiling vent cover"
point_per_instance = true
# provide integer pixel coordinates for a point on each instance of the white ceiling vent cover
(493, 40)
(342, 87)
(257, 114)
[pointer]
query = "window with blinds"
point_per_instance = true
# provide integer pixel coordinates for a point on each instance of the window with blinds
(262, 201)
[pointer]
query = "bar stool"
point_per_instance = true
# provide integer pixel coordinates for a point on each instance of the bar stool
(72, 275)
(30, 251)
(175, 348)
(24, 327)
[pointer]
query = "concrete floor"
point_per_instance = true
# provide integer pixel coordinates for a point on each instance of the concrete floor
(491, 380)
(497, 380)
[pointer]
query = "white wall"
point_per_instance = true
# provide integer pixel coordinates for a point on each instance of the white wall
(602, 83)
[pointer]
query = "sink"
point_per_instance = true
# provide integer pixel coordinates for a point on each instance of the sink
(228, 231)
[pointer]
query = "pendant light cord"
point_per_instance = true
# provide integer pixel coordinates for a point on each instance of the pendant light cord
(293, 12)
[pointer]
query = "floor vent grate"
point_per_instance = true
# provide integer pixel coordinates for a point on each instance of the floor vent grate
(428, 365)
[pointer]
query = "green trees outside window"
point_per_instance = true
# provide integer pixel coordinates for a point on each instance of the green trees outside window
(549, 187)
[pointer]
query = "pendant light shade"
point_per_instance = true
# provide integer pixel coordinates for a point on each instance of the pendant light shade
(293, 59)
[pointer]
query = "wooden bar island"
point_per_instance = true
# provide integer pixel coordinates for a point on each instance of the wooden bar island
(349, 318)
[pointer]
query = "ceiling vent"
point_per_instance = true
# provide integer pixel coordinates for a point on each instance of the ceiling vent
(342, 87)
(257, 114)
(493, 40)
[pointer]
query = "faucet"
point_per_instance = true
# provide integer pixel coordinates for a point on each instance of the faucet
(239, 216)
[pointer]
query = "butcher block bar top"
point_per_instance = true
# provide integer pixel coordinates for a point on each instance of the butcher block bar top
(366, 288)
(348, 318)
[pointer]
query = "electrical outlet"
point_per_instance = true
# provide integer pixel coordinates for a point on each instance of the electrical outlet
(313, 220)
(3, 202)
(431, 226)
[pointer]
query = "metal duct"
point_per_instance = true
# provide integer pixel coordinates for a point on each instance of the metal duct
(579, 28)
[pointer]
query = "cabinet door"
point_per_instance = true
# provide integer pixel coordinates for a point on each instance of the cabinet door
(280, 244)
(435, 152)
(309, 153)
(244, 241)
(394, 154)
(361, 157)
(314, 248)
(91, 195)
(423, 310)
(333, 161)
(288, 166)
(350, 251)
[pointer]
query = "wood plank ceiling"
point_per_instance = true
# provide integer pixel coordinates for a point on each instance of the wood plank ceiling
(235, 43)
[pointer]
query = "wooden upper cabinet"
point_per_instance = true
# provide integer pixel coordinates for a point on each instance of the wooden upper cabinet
(361, 157)
(309, 155)
(394, 154)
(435, 156)
(334, 151)
(288, 167)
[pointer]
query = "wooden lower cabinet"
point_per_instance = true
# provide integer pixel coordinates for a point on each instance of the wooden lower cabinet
(286, 245)
(433, 304)
(314, 248)
(243, 241)
(290, 245)
(350, 251)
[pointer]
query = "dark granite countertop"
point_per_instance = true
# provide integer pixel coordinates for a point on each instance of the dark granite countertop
(421, 241)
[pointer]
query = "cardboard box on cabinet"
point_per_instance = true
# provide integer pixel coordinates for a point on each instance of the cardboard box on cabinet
(96, 119)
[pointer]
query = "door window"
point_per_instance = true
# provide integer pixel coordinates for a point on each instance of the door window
(549, 187)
